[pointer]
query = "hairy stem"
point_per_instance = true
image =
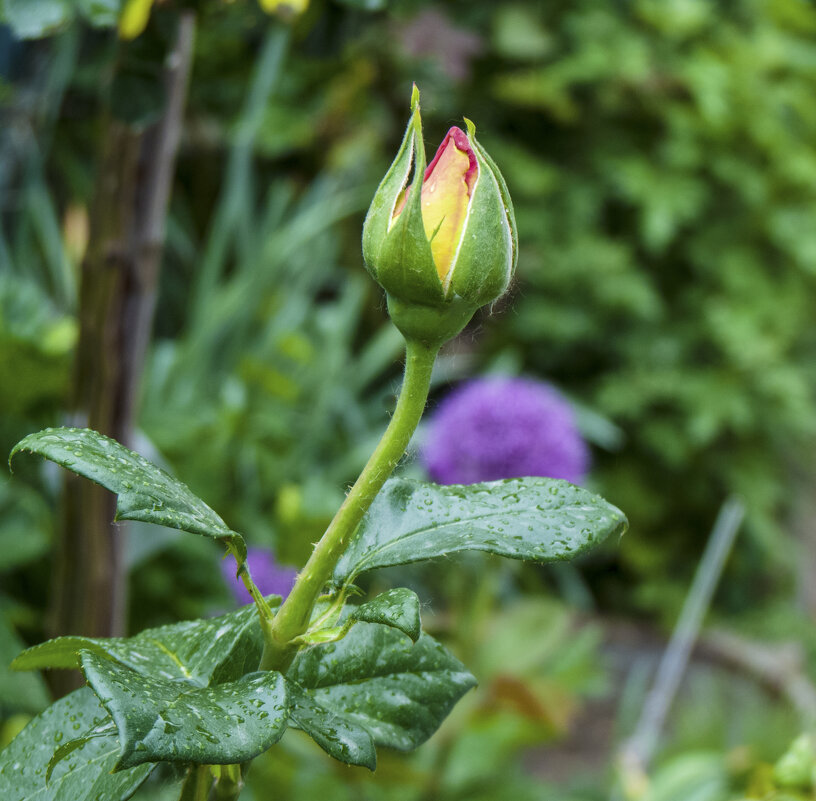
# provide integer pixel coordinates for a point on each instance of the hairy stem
(293, 618)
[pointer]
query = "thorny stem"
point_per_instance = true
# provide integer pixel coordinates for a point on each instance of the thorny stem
(293, 618)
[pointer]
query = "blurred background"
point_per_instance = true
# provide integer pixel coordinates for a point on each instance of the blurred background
(182, 190)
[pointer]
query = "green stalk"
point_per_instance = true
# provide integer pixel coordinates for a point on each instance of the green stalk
(229, 784)
(197, 784)
(293, 618)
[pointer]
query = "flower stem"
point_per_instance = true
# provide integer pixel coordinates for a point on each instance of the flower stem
(293, 618)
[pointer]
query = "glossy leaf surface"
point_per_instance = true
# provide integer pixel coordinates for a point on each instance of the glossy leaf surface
(398, 608)
(105, 729)
(375, 678)
(175, 721)
(84, 774)
(144, 492)
(533, 519)
(341, 738)
(202, 652)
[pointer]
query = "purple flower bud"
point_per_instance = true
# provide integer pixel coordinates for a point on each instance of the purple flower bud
(270, 577)
(493, 428)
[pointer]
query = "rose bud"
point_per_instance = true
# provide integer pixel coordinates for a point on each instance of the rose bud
(446, 250)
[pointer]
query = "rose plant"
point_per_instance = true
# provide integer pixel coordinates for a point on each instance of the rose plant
(200, 699)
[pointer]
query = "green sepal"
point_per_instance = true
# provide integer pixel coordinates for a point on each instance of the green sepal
(486, 257)
(399, 254)
(507, 201)
(378, 218)
(430, 325)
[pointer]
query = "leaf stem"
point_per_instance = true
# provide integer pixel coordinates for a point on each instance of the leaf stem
(197, 784)
(229, 783)
(264, 612)
(293, 618)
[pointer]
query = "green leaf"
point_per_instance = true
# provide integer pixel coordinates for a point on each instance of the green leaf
(31, 19)
(144, 492)
(534, 519)
(26, 523)
(398, 608)
(341, 738)
(83, 775)
(175, 721)
(203, 652)
(376, 679)
(100, 13)
(17, 693)
(104, 729)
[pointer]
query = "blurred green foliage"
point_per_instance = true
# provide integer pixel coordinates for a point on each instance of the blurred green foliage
(661, 160)
(712, 776)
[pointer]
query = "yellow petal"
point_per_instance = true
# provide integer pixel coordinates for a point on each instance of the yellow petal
(446, 190)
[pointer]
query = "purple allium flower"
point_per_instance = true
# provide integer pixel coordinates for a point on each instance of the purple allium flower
(492, 428)
(270, 577)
